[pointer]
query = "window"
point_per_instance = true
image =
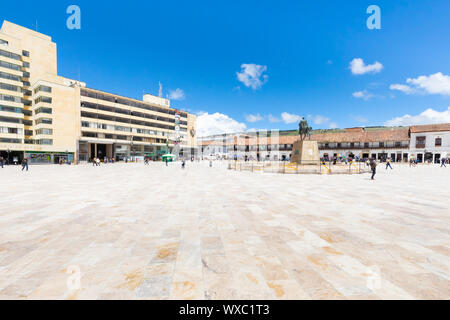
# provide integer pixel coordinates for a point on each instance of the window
(43, 121)
(43, 99)
(8, 76)
(43, 110)
(10, 109)
(44, 141)
(9, 87)
(28, 132)
(26, 92)
(25, 53)
(7, 140)
(44, 131)
(7, 97)
(438, 142)
(9, 55)
(420, 142)
(8, 65)
(43, 88)
(3, 43)
(90, 134)
(26, 64)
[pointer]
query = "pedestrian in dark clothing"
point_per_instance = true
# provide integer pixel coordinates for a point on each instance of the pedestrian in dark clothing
(25, 163)
(442, 163)
(1, 161)
(182, 164)
(373, 167)
(167, 161)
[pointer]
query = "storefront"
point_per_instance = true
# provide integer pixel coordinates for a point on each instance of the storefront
(36, 157)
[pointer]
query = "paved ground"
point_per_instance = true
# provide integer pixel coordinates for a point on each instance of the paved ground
(128, 231)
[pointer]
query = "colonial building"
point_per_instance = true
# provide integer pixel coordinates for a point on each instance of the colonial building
(430, 143)
(378, 142)
(46, 117)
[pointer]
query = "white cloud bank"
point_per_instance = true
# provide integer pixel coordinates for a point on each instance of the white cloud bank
(429, 116)
(365, 95)
(290, 117)
(358, 67)
(176, 94)
(437, 83)
(217, 123)
(253, 117)
(252, 75)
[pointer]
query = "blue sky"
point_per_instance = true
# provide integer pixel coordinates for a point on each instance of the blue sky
(300, 51)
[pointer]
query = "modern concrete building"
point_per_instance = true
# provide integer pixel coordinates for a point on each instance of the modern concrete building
(47, 118)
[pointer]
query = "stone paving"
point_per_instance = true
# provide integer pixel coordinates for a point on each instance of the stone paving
(129, 231)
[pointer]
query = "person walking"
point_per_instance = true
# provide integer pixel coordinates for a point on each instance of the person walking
(442, 163)
(1, 161)
(25, 163)
(210, 163)
(182, 164)
(373, 167)
(167, 161)
(94, 161)
(388, 163)
(98, 162)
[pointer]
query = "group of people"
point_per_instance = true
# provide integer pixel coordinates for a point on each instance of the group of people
(24, 163)
(96, 161)
(372, 163)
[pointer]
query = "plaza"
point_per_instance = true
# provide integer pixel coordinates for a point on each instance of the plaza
(131, 231)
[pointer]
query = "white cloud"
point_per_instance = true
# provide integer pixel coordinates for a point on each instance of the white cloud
(252, 76)
(333, 125)
(357, 66)
(273, 119)
(290, 118)
(176, 94)
(429, 116)
(320, 119)
(253, 117)
(365, 95)
(217, 123)
(436, 83)
(401, 87)
(360, 119)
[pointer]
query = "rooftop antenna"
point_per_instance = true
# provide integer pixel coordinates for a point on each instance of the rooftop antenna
(160, 93)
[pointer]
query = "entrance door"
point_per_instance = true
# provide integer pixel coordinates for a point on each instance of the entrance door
(428, 157)
(437, 158)
(419, 157)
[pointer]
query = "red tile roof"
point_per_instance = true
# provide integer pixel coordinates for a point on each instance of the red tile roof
(430, 128)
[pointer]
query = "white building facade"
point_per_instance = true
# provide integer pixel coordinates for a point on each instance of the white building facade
(430, 143)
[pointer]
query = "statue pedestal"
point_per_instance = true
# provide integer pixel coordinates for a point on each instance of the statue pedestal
(305, 152)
